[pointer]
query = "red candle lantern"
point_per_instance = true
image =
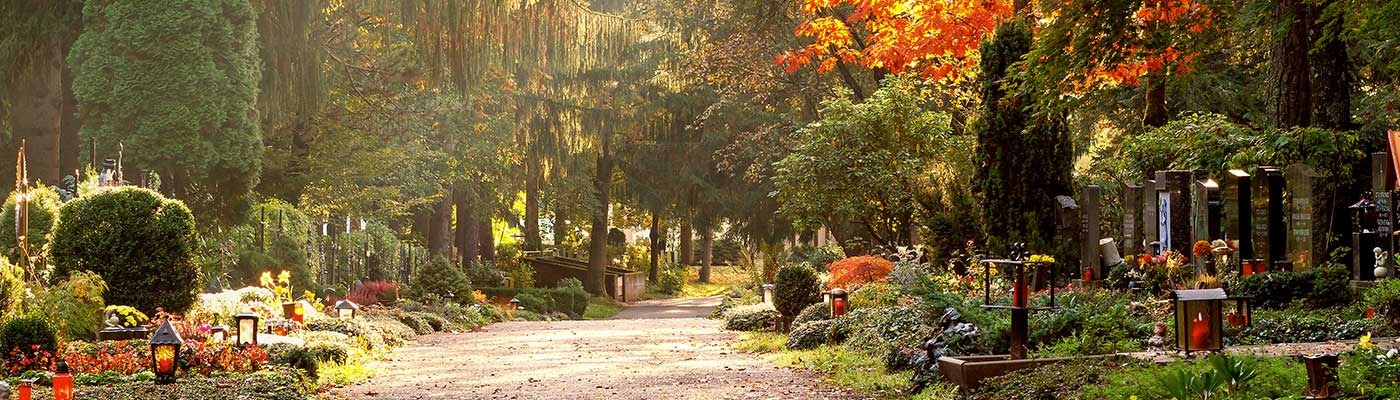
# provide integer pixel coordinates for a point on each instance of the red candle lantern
(1088, 274)
(1246, 268)
(1198, 315)
(62, 382)
(838, 302)
(165, 352)
(26, 389)
(298, 313)
(1200, 332)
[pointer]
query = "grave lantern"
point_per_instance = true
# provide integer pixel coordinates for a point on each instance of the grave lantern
(62, 382)
(247, 329)
(1364, 216)
(1198, 319)
(346, 309)
(298, 312)
(218, 333)
(26, 388)
(826, 297)
(1322, 376)
(165, 353)
(838, 302)
(767, 293)
(515, 304)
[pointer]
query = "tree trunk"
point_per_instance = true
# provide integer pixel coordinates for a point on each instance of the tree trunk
(1154, 115)
(687, 243)
(1332, 79)
(532, 202)
(37, 116)
(657, 246)
(1292, 97)
(488, 240)
(465, 232)
(707, 249)
(598, 232)
(439, 227)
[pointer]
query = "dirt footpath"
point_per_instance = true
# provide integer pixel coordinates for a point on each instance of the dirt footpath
(652, 350)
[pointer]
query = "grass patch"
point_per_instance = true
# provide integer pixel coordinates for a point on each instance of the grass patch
(699, 289)
(601, 307)
(845, 367)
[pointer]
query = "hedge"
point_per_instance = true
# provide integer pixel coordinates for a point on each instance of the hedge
(571, 301)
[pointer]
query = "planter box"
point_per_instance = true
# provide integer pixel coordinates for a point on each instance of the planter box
(123, 334)
(969, 371)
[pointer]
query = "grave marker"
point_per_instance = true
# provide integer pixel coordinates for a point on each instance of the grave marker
(1174, 210)
(1149, 218)
(1307, 242)
(1270, 230)
(1238, 215)
(1089, 230)
(1132, 220)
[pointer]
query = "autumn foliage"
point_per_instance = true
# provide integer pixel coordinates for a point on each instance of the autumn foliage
(934, 37)
(856, 271)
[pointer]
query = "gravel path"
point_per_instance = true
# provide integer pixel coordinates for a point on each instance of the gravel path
(661, 349)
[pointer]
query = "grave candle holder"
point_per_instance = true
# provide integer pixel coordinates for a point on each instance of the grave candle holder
(1198, 319)
(1020, 298)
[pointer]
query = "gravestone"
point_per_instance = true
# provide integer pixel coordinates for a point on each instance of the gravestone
(1067, 220)
(1205, 214)
(1238, 214)
(1174, 210)
(1381, 177)
(1132, 221)
(1270, 229)
(1089, 230)
(1307, 244)
(1149, 218)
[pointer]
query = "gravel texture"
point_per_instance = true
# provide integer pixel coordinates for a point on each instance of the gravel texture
(662, 349)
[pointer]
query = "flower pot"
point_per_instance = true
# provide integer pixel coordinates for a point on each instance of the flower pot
(289, 310)
(123, 333)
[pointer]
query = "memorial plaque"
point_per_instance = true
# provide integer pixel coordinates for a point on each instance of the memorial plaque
(1089, 230)
(1132, 220)
(1307, 244)
(1381, 177)
(1238, 215)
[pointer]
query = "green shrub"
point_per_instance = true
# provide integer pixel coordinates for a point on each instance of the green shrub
(1321, 287)
(1302, 325)
(413, 321)
(26, 332)
(795, 288)
(1267, 378)
(332, 352)
(521, 276)
(816, 256)
(874, 294)
(393, 332)
(810, 335)
(815, 312)
(302, 358)
(572, 301)
(757, 317)
(436, 322)
(1049, 382)
(440, 278)
(44, 204)
(11, 287)
(485, 274)
(671, 279)
(569, 282)
(74, 306)
(142, 244)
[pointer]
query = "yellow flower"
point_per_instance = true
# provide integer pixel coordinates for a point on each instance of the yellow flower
(284, 277)
(1365, 342)
(266, 279)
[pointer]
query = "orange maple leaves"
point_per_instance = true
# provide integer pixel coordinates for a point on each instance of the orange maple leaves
(1167, 24)
(934, 37)
(853, 272)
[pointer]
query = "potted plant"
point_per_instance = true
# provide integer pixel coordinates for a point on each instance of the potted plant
(124, 323)
(282, 288)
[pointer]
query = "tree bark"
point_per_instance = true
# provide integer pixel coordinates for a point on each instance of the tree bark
(707, 249)
(439, 228)
(1155, 111)
(1331, 67)
(687, 243)
(657, 242)
(598, 232)
(1292, 97)
(37, 116)
(532, 201)
(465, 232)
(488, 240)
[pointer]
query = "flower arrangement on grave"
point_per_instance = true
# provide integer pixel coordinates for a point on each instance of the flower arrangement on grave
(125, 317)
(1162, 272)
(281, 287)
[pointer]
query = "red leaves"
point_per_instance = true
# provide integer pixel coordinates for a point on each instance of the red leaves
(856, 271)
(935, 37)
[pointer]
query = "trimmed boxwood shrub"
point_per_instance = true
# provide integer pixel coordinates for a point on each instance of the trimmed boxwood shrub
(757, 317)
(568, 300)
(142, 244)
(437, 322)
(25, 332)
(440, 278)
(43, 209)
(815, 312)
(795, 287)
(810, 335)
(1321, 287)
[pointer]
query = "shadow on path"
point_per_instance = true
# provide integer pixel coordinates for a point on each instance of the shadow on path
(670, 308)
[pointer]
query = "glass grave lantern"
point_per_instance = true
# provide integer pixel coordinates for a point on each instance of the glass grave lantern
(62, 382)
(26, 388)
(247, 324)
(838, 302)
(346, 309)
(768, 293)
(826, 297)
(1365, 215)
(1198, 319)
(218, 333)
(165, 353)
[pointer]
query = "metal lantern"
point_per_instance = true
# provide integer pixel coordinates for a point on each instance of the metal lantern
(515, 304)
(838, 302)
(1198, 319)
(768, 293)
(1322, 376)
(247, 329)
(165, 353)
(218, 333)
(1365, 215)
(346, 309)
(62, 382)
(826, 297)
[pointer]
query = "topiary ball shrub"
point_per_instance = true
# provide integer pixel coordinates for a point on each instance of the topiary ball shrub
(813, 313)
(757, 317)
(27, 332)
(44, 203)
(142, 244)
(440, 278)
(795, 288)
(810, 335)
(437, 322)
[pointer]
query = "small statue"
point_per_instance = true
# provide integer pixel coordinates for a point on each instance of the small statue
(1382, 257)
(113, 320)
(1159, 337)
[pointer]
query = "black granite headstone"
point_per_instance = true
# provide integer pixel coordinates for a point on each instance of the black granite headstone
(1270, 228)
(1174, 210)
(1132, 220)
(1089, 230)
(1307, 244)
(1238, 215)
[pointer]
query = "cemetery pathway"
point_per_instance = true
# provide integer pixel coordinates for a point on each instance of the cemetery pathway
(663, 349)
